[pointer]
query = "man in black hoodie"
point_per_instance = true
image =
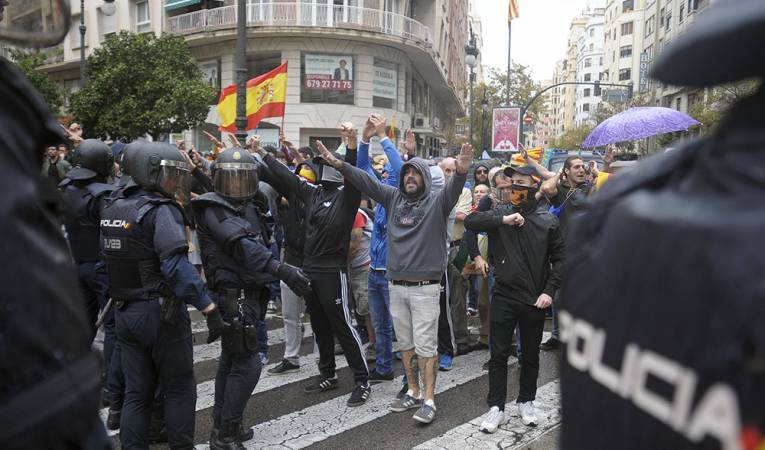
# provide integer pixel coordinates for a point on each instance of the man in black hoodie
(527, 257)
(330, 209)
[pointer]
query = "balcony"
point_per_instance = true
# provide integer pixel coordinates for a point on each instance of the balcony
(303, 15)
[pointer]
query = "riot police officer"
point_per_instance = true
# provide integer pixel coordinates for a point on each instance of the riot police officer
(235, 242)
(82, 191)
(151, 280)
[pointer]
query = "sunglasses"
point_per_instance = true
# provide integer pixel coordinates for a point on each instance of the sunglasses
(481, 171)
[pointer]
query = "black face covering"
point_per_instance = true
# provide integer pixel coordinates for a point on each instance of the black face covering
(522, 197)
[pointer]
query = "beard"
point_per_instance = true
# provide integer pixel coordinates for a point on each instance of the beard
(412, 188)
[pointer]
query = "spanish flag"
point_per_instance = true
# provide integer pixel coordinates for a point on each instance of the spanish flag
(539, 154)
(392, 130)
(266, 95)
(512, 12)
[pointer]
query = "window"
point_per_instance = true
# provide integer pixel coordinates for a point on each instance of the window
(649, 52)
(628, 5)
(693, 5)
(586, 92)
(587, 62)
(649, 25)
(327, 79)
(384, 84)
(662, 16)
(625, 51)
(586, 107)
(142, 18)
(600, 63)
(626, 28)
(592, 47)
(592, 32)
(682, 12)
(107, 25)
(587, 77)
(625, 74)
(677, 103)
(668, 22)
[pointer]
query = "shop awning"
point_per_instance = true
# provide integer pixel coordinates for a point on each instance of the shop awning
(175, 4)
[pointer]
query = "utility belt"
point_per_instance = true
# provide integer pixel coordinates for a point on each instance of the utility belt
(169, 306)
(241, 339)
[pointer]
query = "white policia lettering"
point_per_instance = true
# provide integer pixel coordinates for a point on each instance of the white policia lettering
(114, 223)
(716, 414)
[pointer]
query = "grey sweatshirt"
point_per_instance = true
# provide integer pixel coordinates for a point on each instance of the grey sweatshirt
(417, 225)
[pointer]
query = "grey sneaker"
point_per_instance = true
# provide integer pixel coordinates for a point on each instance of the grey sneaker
(493, 419)
(425, 414)
(405, 403)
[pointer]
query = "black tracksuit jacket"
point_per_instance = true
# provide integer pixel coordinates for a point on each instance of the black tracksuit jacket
(329, 211)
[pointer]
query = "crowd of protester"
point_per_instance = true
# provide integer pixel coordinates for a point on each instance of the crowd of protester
(398, 251)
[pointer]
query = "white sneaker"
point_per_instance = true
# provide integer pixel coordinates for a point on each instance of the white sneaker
(494, 418)
(528, 413)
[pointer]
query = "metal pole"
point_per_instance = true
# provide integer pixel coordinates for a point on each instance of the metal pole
(509, 64)
(82, 43)
(241, 71)
(472, 104)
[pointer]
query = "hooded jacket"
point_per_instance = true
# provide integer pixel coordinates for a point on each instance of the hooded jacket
(417, 224)
(292, 217)
(527, 260)
(328, 212)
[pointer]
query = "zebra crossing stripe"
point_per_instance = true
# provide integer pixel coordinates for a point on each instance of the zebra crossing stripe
(206, 389)
(316, 423)
(513, 435)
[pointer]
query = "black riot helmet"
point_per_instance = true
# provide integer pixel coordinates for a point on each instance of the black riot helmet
(93, 158)
(235, 174)
(158, 166)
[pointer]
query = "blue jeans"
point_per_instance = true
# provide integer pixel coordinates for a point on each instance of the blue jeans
(379, 308)
(473, 292)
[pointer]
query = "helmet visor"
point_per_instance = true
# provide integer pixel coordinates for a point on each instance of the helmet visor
(35, 23)
(236, 180)
(175, 180)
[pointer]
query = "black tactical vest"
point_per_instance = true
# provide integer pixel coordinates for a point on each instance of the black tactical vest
(235, 221)
(127, 240)
(82, 227)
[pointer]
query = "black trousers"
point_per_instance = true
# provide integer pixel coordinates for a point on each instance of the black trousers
(331, 318)
(505, 314)
(153, 352)
(94, 284)
(237, 374)
(446, 342)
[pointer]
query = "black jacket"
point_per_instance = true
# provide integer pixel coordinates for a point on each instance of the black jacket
(527, 260)
(329, 214)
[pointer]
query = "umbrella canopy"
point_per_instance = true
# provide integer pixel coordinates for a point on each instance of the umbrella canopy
(638, 123)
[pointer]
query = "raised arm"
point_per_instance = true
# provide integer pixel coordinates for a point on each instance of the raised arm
(363, 181)
(451, 193)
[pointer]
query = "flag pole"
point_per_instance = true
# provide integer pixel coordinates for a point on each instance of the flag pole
(509, 65)
(284, 111)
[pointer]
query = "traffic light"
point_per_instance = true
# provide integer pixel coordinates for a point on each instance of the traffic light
(597, 88)
(629, 91)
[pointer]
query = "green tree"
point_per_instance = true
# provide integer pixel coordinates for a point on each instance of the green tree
(139, 84)
(495, 92)
(572, 139)
(718, 100)
(28, 64)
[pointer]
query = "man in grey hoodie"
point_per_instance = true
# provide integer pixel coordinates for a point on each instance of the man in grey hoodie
(417, 254)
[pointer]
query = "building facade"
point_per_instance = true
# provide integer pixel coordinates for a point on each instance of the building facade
(589, 67)
(402, 59)
(623, 42)
(569, 92)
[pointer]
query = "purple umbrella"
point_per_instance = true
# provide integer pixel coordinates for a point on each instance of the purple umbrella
(638, 123)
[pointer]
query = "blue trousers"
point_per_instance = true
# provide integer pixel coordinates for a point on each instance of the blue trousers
(379, 308)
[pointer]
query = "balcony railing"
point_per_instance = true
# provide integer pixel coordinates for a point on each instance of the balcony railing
(303, 15)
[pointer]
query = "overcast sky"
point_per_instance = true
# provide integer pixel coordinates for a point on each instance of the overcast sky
(540, 32)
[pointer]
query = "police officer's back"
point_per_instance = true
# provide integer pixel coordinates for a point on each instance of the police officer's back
(666, 349)
(235, 239)
(151, 281)
(82, 192)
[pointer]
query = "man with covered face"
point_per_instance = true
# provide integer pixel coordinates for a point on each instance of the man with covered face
(417, 250)
(527, 255)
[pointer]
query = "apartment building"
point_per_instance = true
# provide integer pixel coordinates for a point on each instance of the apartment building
(589, 67)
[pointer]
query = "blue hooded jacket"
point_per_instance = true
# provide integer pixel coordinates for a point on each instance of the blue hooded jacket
(378, 246)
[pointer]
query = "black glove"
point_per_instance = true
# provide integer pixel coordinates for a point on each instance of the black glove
(295, 279)
(216, 326)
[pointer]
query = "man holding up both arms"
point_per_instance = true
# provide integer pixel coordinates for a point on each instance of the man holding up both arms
(417, 222)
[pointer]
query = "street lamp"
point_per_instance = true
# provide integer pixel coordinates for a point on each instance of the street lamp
(108, 9)
(240, 61)
(471, 60)
(484, 110)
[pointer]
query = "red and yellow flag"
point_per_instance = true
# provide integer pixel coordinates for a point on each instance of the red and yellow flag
(512, 12)
(392, 131)
(266, 96)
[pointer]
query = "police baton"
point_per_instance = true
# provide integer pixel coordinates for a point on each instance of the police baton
(104, 312)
